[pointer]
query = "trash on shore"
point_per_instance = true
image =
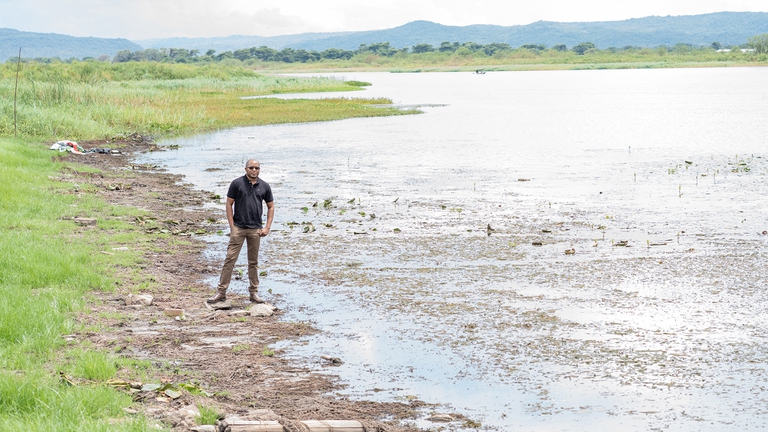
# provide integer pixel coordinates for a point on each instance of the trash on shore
(75, 148)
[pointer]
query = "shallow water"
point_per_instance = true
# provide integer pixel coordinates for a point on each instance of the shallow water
(654, 178)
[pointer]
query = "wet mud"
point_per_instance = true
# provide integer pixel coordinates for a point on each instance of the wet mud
(225, 353)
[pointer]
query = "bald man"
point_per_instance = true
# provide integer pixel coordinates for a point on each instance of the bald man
(245, 200)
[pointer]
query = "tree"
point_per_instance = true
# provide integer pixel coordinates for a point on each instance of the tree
(287, 55)
(153, 55)
(383, 49)
(716, 45)
(336, 54)
(583, 47)
(123, 56)
(560, 47)
(493, 48)
(534, 47)
(264, 53)
(243, 54)
(422, 48)
(448, 47)
(224, 55)
(472, 46)
(759, 43)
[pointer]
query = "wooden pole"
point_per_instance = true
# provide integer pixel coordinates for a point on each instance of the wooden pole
(274, 426)
(15, 90)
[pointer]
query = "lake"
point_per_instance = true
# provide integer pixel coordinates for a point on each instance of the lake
(551, 250)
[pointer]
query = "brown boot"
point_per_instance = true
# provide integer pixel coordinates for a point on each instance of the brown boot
(254, 298)
(219, 297)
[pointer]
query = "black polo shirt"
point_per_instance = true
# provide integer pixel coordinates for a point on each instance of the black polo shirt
(248, 198)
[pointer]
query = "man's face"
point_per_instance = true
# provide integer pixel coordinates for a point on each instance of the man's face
(252, 170)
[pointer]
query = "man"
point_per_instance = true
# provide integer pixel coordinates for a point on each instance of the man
(244, 212)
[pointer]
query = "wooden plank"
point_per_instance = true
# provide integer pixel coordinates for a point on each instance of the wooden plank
(313, 425)
(334, 425)
(254, 426)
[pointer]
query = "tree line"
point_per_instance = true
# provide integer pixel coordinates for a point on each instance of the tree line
(384, 49)
(757, 44)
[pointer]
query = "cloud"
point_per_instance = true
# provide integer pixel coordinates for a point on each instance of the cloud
(145, 19)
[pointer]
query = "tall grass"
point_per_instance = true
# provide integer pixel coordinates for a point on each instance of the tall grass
(47, 269)
(99, 101)
(37, 401)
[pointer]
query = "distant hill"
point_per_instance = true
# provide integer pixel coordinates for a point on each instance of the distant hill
(35, 45)
(728, 28)
(230, 43)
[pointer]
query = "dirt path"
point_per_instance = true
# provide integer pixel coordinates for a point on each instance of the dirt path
(222, 352)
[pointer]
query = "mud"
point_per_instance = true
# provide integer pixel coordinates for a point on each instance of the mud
(225, 353)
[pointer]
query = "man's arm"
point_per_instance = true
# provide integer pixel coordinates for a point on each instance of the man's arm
(230, 213)
(270, 216)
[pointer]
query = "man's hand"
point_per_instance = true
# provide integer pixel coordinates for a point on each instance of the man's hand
(264, 232)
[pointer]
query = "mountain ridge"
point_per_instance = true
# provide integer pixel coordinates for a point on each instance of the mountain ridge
(727, 28)
(47, 45)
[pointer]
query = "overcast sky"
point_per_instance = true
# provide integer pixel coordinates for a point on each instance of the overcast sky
(147, 19)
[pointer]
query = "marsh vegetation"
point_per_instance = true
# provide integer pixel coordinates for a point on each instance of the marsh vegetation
(94, 100)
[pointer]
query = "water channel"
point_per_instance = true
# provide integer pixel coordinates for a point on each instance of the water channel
(551, 250)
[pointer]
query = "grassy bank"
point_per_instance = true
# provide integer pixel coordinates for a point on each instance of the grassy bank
(47, 270)
(94, 100)
(50, 266)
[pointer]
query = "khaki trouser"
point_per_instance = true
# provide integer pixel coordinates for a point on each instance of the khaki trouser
(236, 239)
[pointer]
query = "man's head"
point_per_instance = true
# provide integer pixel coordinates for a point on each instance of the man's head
(252, 168)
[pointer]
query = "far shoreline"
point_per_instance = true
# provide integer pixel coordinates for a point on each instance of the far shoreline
(309, 68)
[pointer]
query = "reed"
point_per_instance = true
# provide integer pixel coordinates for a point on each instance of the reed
(82, 101)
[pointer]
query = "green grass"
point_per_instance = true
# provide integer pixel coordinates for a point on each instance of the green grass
(37, 401)
(47, 270)
(208, 415)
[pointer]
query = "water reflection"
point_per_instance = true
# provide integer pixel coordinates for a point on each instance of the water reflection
(653, 177)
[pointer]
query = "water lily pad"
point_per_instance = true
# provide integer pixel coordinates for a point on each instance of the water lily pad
(173, 394)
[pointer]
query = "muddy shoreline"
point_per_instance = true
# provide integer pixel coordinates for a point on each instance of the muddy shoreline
(224, 352)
